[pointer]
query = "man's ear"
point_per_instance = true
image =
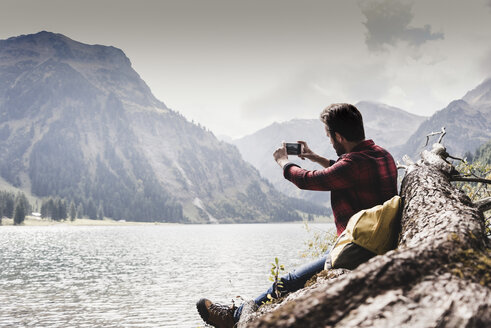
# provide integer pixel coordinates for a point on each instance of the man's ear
(339, 138)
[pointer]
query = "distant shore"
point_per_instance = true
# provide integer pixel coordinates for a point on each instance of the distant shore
(34, 221)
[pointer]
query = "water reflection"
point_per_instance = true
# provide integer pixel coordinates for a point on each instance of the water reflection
(134, 276)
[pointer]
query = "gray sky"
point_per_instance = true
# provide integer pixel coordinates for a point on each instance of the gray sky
(237, 66)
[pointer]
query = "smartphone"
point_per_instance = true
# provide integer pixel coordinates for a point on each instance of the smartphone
(293, 148)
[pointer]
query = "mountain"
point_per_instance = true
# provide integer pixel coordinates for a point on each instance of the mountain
(467, 122)
(387, 126)
(76, 121)
(480, 97)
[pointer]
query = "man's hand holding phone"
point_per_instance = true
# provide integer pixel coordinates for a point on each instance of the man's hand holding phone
(306, 151)
(281, 155)
(302, 150)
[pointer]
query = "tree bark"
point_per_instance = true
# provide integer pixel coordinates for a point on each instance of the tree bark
(439, 276)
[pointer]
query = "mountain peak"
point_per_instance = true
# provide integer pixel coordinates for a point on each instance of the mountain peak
(44, 45)
(39, 36)
(104, 67)
(481, 95)
(372, 108)
(466, 121)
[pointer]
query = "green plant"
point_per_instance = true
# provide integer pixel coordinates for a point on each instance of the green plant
(476, 190)
(318, 242)
(276, 269)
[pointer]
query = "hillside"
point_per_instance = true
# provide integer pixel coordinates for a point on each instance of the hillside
(482, 154)
(77, 121)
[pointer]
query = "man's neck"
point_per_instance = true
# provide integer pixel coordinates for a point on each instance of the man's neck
(349, 145)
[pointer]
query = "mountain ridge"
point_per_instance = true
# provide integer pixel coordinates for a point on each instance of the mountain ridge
(78, 122)
(467, 122)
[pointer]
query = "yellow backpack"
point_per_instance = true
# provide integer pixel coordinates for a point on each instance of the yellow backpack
(369, 232)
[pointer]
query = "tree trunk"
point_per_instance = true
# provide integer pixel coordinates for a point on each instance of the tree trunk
(439, 276)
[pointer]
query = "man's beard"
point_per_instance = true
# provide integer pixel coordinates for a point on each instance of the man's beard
(338, 147)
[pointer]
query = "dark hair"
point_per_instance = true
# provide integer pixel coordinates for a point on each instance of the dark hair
(344, 119)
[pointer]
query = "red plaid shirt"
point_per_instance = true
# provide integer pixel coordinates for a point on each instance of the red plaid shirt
(361, 179)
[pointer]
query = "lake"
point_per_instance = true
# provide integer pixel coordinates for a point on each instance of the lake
(136, 276)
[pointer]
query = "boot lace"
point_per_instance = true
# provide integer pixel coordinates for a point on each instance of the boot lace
(222, 310)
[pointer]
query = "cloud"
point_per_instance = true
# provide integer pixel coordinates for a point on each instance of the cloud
(484, 63)
(306, 93)
(388, 22)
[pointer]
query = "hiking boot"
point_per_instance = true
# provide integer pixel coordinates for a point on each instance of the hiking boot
(217, 315)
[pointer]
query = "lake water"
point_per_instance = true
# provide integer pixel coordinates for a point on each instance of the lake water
(136, 276)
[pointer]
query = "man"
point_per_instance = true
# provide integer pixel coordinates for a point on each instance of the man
(364, 175)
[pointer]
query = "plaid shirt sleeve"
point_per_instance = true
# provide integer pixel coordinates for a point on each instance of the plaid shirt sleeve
(358, 180)
(336, 177)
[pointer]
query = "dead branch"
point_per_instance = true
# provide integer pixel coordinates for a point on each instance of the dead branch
(401, 166)
(406, 159)
(442, 133)
(469, 179)
(457, 159)
(483, 204)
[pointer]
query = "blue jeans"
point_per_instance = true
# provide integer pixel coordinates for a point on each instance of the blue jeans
(292, 281)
